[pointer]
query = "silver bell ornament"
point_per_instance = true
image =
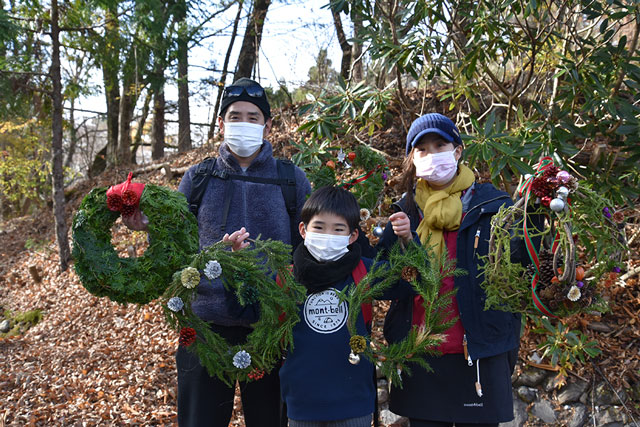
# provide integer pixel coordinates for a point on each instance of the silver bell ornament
(354, 359)
(562, 192)
(557, 205)
(378, 231)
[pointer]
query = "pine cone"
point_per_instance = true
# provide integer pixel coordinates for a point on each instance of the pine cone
(358, 344)
(127, 210)
(187, 337)
(248, 293)
(114, 202)
(546, 266)
(409, 273)
(130, 198)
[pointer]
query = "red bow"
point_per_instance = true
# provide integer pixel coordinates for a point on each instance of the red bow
(125, 197)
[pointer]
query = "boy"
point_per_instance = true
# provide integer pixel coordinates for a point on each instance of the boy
(318, 384)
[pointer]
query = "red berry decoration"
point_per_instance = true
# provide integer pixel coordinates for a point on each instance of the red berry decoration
(114, 202)
(187, 337)
(331, 164)
(256, 374)
(351, 156)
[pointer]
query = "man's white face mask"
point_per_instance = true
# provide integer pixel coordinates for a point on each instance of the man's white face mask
(243, 138)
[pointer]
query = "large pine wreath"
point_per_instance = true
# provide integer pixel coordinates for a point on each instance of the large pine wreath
(173, 237)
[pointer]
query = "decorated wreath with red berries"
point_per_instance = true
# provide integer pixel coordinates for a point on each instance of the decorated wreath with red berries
(173, 238)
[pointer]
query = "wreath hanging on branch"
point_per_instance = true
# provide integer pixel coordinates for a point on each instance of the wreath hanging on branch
(553, 285)
(173, 237)
(250, 275)
(416, 265)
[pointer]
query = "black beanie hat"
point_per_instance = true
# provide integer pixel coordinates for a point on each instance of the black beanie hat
(248, 90)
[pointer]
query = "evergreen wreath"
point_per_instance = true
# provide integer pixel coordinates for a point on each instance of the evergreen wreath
(173, 237)
(554, 284)
(418, 266)
(248, 273)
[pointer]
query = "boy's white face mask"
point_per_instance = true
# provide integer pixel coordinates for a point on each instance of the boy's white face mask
(326, 247)
(243, 138)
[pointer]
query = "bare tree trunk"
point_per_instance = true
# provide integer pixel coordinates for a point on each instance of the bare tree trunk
(56, 143)
(157, 150)
(184, 117)
(252, 38)
(73, 136)
(225, 67)
(357, 74)
(111, 86)
(127, 106)
(137, 141)
(345, 64)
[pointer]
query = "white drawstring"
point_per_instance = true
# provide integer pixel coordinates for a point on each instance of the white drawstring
(478, 386)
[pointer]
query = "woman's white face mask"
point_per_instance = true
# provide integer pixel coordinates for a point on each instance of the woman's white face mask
(326, 247)
(243, 138)
(436, 168)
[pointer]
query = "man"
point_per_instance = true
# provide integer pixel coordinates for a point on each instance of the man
(234, 203)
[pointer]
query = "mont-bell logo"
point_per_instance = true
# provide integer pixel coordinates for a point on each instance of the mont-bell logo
(324, 313)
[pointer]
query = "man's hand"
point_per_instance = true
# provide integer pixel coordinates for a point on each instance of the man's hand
(137, 221)
(237, 239)
(401, 226)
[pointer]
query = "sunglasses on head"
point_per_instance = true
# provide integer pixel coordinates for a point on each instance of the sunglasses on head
(253, 91)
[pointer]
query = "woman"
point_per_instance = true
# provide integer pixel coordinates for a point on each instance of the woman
(471, 380)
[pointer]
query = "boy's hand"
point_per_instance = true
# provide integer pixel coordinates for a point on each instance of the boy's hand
(401, 226)
(237, 239)
(137, 221)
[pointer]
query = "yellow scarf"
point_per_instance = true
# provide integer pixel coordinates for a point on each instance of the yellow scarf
(442, 209)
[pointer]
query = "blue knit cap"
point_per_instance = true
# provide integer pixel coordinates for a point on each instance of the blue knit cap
(432, 123)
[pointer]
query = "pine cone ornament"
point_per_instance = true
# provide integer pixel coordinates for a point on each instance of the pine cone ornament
(542, 187)
(187, 337)
(409, 273)
(546, 267)
(248, 294)
(114, 202)
(358, 344)
(130, 198)
(127, 210)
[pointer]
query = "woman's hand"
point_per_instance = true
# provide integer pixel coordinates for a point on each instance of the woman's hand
(237, 239)
(136, 221)
(401, 226)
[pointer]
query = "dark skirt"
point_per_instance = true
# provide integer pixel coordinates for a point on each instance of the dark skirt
(448, 393)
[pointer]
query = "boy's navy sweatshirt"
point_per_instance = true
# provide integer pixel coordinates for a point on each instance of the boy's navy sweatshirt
(260, 208)
(317, 381)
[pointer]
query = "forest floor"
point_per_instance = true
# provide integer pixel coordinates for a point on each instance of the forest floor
(90, 361)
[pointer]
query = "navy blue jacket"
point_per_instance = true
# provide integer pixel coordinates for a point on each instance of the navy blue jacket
(489, 332)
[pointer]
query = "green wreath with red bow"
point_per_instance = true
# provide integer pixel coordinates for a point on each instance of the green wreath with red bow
(173, 238)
